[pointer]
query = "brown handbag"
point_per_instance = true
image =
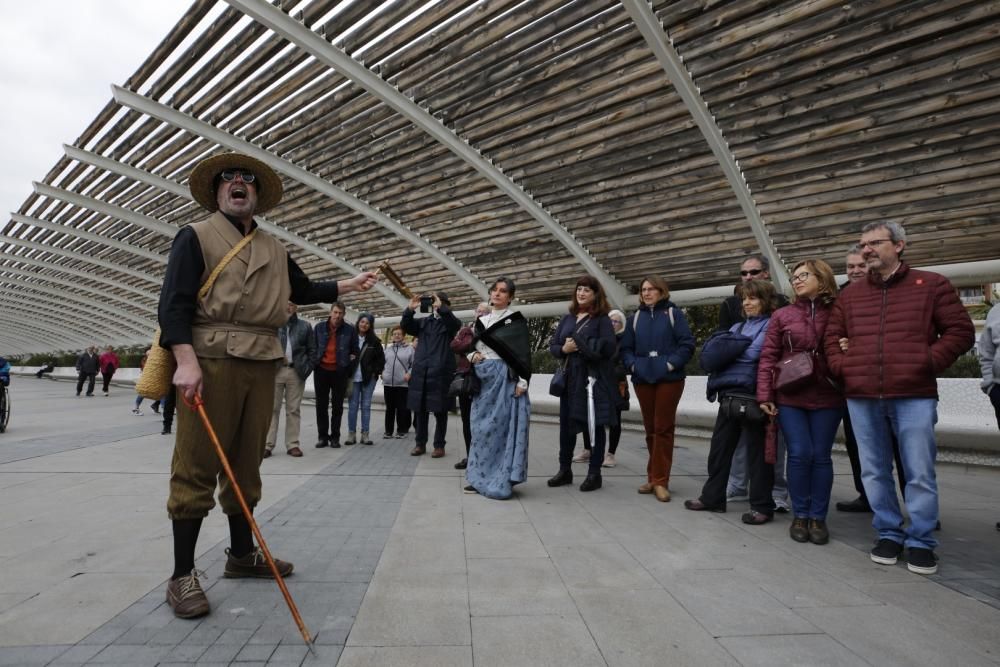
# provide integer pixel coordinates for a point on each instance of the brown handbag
(796, 369)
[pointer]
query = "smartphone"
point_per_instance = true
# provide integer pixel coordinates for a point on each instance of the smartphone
(426, 302)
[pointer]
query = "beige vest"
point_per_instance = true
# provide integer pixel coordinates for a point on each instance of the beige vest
(241, 314)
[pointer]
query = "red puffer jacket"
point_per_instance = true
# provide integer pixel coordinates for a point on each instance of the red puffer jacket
(804, 323)
(902, 333)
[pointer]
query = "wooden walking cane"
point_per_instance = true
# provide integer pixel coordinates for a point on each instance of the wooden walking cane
(198, 405)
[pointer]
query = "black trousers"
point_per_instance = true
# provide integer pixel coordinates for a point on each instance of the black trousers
(851, 443)
(107, 381)
(725, 437)
(168, 405)
(92, 377)
(421, 423)
(995, 400)
(568, 429)
(614, 436)
(397, 415)
(330, 387)
(465, 406)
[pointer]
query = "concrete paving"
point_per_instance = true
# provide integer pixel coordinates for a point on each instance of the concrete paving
(396, 566)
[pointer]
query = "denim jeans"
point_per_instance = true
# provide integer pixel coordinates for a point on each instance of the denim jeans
(361, 394)
(912, 420)
(809, 435)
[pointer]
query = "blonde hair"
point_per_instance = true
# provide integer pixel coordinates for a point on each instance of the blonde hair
(824, 274)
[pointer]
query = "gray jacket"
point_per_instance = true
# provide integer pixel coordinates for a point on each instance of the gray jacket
(989, 341)
(303, 345)
(398, 361)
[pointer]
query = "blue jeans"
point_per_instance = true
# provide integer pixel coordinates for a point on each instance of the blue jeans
(361, 394)
(912, 420)
(809, 434)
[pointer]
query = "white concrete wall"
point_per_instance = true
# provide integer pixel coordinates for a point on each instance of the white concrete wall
(965, 416)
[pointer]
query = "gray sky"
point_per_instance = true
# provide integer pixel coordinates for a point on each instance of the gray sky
(58, 59)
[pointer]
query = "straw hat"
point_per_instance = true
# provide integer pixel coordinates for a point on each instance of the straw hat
(203, 175)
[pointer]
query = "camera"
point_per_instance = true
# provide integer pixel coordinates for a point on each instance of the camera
(426, 302)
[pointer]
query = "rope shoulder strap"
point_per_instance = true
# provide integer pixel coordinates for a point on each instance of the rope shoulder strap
(236, 249)
(635, 318)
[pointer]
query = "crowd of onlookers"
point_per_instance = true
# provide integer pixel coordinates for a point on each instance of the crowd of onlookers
(785, 374)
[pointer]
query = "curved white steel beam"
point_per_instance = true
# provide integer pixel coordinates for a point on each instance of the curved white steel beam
(28, 316)
(65, 312)
(313, 43)
(110, 210)
(88, 236)
(69, 254)
(673, 65)
(31, 278)
(167, 185)
(186, 122)
(90, 277)
(27, 326)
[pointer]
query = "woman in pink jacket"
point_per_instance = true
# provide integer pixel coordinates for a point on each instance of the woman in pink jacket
(109, 364)
(810, 411)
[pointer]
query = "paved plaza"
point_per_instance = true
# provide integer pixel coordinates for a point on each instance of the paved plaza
(394, 565)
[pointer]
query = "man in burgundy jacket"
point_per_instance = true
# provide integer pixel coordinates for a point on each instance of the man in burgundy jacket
(903, 327)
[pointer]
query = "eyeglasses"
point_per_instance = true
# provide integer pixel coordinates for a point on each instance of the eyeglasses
(230, 175)
(801, 277)
(873, 244)
(752, 272)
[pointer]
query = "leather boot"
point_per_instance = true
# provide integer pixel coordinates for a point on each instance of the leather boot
(592, 483)
(562, 478)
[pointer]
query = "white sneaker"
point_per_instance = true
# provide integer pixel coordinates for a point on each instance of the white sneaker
(609, 461)
(137, 412)
(582, 456)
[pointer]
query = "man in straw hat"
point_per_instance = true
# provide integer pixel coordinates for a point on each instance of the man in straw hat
(227, 350)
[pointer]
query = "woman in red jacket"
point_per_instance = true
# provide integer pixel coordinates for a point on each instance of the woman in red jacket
(808, 412)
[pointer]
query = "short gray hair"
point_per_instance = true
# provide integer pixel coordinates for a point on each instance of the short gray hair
(896, 231)
(854, 250)
(764, 264)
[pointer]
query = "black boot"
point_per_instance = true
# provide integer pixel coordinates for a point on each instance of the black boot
(562, 478)
(592, 483)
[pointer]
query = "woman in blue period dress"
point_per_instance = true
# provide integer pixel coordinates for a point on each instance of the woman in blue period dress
(501, 358)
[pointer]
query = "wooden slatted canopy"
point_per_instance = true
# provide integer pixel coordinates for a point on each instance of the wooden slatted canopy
(539, 139)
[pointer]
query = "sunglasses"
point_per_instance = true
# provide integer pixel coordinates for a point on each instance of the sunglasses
(752, 272)
(230, 175)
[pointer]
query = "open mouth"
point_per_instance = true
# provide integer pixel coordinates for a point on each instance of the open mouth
(238, 193)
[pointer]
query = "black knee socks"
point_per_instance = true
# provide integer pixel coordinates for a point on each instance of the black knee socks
(185, 539)
(240, 536)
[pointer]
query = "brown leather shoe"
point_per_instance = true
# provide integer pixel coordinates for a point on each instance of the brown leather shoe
(646, 488)
(186, 598)
(661, 493)
(417, 451)
(437, 453)
(254, 565)
(295, 451)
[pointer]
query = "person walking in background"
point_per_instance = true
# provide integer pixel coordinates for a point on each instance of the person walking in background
(299, 345)
(808, 412)
(367, 369)
(433, 368)
(501, 411)
(584, 342)
(655, 347)
(989, 360)
(902, 327)
(87, 366)
(734, 377)
(395, 378)
(109, 363)
(462, 345)
(336, 350)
